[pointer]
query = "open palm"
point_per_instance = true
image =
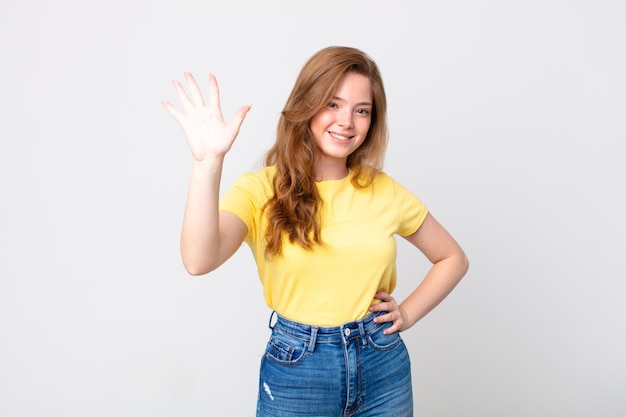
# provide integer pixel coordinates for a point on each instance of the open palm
(206, 132)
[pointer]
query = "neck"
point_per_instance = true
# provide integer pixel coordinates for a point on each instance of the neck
(325, 172)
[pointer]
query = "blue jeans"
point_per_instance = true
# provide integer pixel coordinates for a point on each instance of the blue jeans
(350, 370)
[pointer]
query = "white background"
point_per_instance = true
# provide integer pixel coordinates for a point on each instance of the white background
(506, 118)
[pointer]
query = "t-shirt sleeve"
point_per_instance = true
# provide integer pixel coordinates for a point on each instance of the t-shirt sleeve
(411, 210)
(241, 199)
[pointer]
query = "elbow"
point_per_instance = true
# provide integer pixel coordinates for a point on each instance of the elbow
(464, 264)
(196, 269)
(196, 272)
(196, 262)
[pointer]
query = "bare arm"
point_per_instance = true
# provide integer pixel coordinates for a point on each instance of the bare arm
(208, 237)
(449, 266)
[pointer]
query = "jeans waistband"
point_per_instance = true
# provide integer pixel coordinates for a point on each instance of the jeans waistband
(321, 334)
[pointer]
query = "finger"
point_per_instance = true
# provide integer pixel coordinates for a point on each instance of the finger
(214, 93)
(395, 327)
(394, 319)
(384, 318)
(172, 110)
(379, 307)
(238, 118)
(383, 296)
(382, 305)
(194, 89)
(386, 302)
(182, 96)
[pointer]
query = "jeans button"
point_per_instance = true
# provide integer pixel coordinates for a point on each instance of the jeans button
(346, 332)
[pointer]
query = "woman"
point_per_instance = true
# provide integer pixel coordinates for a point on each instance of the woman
(320, 220)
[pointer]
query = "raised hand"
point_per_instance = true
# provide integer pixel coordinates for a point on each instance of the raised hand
(206, 132)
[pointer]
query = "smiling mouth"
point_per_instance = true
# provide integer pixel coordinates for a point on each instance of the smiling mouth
(341, 138)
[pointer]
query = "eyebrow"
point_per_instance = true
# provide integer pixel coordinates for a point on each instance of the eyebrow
(363, 103)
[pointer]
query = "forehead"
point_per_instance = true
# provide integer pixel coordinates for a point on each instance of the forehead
(355, 87)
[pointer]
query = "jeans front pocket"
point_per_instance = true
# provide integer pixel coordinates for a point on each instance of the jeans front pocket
(381, 341)
(285, 349)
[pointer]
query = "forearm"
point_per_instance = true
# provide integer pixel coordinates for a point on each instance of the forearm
(200, 231)
(434, 288)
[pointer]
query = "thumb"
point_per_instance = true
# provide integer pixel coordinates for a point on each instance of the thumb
(239, 116)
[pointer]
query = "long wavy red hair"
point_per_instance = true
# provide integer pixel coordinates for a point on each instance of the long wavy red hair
(293, 211)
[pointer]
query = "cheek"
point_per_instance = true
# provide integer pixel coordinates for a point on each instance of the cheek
(363, 132)
(316, 130)
(319, 124)
(314, 124)
(365, 127)
(358, 145)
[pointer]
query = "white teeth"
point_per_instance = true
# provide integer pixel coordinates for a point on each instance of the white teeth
(339, 137)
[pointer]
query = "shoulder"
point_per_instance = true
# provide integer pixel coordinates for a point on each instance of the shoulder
(255, 187)
(258, 179)
(251, 189)
(382, 179)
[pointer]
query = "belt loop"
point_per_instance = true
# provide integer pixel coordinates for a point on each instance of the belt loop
(362, 333)
(313, 339)
(269, 323)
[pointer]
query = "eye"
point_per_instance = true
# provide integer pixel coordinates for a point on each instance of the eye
(332, 105)
(363, 112)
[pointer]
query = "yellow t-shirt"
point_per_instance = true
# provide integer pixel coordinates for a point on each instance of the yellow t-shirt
(334, 283)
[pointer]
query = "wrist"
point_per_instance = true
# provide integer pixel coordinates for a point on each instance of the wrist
(405, 319)
(208, 163)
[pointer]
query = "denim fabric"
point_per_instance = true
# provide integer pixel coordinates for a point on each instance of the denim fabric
(350, 370)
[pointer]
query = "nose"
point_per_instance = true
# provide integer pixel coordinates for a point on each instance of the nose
(345, 118)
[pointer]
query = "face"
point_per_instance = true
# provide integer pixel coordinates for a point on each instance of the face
(341, 127)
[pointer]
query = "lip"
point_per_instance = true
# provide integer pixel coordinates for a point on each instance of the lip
(340, 137)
